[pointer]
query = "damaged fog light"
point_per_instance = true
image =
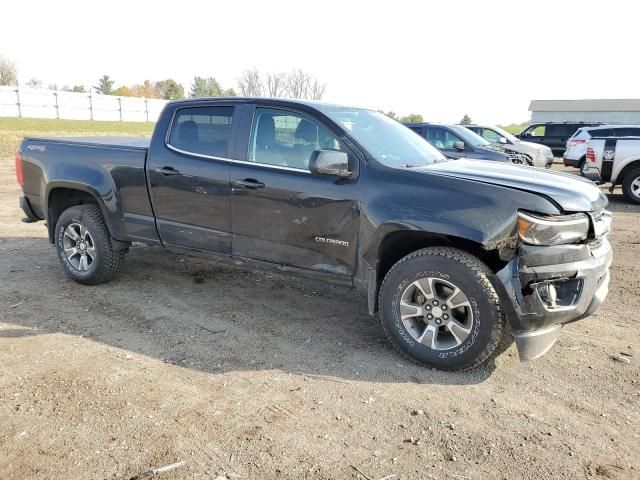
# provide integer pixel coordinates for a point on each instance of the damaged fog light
(548, 294)
(560, 293)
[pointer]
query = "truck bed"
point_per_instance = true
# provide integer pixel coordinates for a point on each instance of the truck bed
(138, 143)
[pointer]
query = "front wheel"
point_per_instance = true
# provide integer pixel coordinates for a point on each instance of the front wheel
(438, 308)
(84, 245)
(631, 186)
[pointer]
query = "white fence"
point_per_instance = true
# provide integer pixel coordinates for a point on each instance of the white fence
(41, 103)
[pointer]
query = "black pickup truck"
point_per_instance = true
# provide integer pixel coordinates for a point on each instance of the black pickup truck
(448, 251)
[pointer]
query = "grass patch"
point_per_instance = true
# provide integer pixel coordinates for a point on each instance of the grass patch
(13, 129)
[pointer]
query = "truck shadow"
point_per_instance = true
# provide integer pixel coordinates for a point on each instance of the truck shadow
(209, 317)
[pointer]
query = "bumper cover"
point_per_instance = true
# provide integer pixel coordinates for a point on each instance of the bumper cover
(28, 211)
(571, 162)
(546, 287)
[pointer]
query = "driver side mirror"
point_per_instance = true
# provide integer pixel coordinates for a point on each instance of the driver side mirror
(502, 140)
(329, 162)
(459, 145)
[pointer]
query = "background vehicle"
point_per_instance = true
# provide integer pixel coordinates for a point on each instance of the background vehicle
(615, 160)
(576, 153)
(447, 251)
(540, 155)
(554, 135)
(456, 141)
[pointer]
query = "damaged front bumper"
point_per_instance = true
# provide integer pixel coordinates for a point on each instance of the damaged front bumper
(549, 286)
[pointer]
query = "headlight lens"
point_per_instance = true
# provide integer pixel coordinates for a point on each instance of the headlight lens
(552, 230)
(548, 152)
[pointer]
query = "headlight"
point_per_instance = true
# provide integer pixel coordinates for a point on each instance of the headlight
(547, 152)
(552, 230)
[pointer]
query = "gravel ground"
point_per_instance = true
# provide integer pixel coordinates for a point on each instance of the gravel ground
(239, 374)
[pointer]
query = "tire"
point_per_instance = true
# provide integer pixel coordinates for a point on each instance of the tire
(581, 166)
(82, 232)
(442, 270)
(631, 186)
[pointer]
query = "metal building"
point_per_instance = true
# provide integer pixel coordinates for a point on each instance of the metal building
(622, 111)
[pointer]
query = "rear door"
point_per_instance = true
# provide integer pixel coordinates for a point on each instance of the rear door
(557, 134)
(189, 179)
(280, 212)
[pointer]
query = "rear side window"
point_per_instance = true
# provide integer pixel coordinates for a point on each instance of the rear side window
(601, 132)
(628, 132)
(559, 130)
(202, 130)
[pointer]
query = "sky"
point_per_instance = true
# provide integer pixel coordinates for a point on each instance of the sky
(441, 59)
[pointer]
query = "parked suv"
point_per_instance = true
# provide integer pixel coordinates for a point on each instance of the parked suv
(576, 153)
(553, 134)
(455, 141)
(540, 155)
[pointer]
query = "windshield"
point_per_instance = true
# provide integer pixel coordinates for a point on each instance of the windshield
(468, 136)
(505, 134)
(387, 140)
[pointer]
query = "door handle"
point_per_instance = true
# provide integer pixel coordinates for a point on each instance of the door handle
(167, 171)
(248, 184)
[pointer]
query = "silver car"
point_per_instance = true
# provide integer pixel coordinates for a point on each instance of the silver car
(540, 155)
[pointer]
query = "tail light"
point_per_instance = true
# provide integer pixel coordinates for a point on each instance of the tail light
(19, 174)
(591, 155)
(573, 143)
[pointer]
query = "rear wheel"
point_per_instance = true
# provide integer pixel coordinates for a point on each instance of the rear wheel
(84, 246)
(582, 165)
(438, 308)
(631, 186)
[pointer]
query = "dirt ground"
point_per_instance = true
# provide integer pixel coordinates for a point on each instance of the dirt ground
(246, 375)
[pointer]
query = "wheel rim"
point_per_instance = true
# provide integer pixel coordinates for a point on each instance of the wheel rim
(436, 313)
(635, 187)
(79, 247)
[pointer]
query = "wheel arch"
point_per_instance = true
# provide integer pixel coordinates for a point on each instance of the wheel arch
(63, 195)
(632, 165)
(397, 244)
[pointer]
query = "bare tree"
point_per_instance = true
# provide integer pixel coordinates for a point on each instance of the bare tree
(250, 83)
(276, 84)
(317, 90)
(297, 84)
(8, 74)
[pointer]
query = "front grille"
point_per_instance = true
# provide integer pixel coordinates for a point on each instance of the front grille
(519, 158)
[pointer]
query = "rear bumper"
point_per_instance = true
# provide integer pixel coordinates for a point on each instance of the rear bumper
(544, 288)
(571, 162)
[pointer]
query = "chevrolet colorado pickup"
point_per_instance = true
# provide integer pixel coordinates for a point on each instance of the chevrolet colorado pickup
(450, 252)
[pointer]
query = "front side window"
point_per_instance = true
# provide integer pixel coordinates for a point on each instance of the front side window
(202, 130)
(441, 138)
(537, 131)
(288, 139)
(492, 136)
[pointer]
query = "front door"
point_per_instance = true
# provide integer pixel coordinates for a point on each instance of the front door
(444, 140)
(189, 180)
(282, 213)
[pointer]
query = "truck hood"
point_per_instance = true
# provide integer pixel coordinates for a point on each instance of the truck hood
(571, 192)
